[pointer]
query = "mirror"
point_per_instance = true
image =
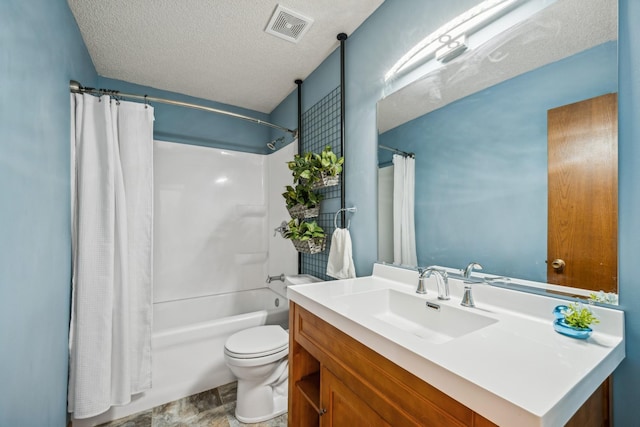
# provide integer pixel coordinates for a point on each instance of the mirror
(478, 128)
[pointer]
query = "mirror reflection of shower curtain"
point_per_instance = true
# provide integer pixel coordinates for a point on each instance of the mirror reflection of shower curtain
(404, 228)
(112, 253)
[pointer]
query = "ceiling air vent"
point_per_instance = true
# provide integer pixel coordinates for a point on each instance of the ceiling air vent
(288, 25)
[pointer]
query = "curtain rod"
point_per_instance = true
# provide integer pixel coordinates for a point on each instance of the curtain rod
(76, 87)
(395, 150)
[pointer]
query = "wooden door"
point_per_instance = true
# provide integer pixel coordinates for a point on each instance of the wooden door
(583, 194)
(343, 407)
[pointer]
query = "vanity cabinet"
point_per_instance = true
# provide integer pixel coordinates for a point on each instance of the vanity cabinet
(344, 407)
(336, 381)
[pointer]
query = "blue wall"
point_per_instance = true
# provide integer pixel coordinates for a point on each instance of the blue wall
(481, 166)
(40, 51)
(627, 377)
(373, 49)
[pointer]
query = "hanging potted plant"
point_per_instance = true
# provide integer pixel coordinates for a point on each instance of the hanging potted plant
(302, 202)
(307, 237)
(317, 170)
(303, 168)
(328, 166)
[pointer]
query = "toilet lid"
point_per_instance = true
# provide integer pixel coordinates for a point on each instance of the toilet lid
(258, 341)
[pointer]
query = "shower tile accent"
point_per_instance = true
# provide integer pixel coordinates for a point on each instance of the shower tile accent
(321, 127)
(212, 408)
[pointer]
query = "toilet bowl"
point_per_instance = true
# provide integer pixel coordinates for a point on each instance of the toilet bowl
(258, 358)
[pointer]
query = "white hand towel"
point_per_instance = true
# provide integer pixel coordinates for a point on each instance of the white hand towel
(340, 264)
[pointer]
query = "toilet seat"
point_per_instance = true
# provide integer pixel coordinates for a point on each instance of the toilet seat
(257, 342)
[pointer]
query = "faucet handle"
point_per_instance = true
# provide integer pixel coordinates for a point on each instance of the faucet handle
(467, 297)
(421, 272)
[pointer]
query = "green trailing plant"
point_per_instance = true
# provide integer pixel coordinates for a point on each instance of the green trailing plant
(302, 167)
(309, 167)
(301, 195)
(579, 316)
(328, 162)
(302, 230)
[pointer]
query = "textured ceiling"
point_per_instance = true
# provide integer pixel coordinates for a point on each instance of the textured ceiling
(564, 28)
(212, 49)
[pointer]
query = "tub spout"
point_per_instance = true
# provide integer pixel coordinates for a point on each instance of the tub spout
(272, 278)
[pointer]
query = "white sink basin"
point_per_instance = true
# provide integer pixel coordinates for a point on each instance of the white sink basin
(428, 320)
(474, 355)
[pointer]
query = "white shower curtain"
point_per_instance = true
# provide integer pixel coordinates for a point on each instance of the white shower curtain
(112, 220)
(404, 232)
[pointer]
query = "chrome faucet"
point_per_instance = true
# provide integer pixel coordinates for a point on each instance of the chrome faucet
(282, 229)
(467, 297)
(272, 278)
(442, 281)
(466, 273)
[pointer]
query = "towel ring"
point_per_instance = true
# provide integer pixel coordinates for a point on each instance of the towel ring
(335, 218)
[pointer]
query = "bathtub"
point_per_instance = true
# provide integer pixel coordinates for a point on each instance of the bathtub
(188, 345)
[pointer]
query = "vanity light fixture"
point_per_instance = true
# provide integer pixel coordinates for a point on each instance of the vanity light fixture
(449, 40)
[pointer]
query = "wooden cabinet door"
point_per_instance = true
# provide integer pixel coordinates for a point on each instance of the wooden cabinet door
(343, 407)
(583, 194)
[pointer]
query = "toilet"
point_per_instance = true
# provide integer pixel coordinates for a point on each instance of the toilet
(258, 358)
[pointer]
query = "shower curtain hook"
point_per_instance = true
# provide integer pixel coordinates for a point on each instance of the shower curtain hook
(146, 101)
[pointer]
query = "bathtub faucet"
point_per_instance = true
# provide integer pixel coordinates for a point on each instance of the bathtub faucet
(272, 278)
(282, 229)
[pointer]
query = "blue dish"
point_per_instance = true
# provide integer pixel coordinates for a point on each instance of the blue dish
(562, 328)
(558, 312)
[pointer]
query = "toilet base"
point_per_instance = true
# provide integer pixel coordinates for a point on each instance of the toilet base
(263, 418)
(263, 400)
(257, 404)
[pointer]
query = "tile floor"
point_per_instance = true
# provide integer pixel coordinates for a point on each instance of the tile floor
(212, 408)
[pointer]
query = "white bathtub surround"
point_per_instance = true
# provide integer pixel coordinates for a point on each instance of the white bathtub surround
(112, 222)
(283, 257)
(215, 214)
(509, 365)
(188, 345)
(210, 235)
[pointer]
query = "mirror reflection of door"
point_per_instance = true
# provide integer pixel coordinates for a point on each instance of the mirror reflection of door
(583, 194)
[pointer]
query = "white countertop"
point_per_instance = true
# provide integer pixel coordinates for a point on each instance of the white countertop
(516, 371)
